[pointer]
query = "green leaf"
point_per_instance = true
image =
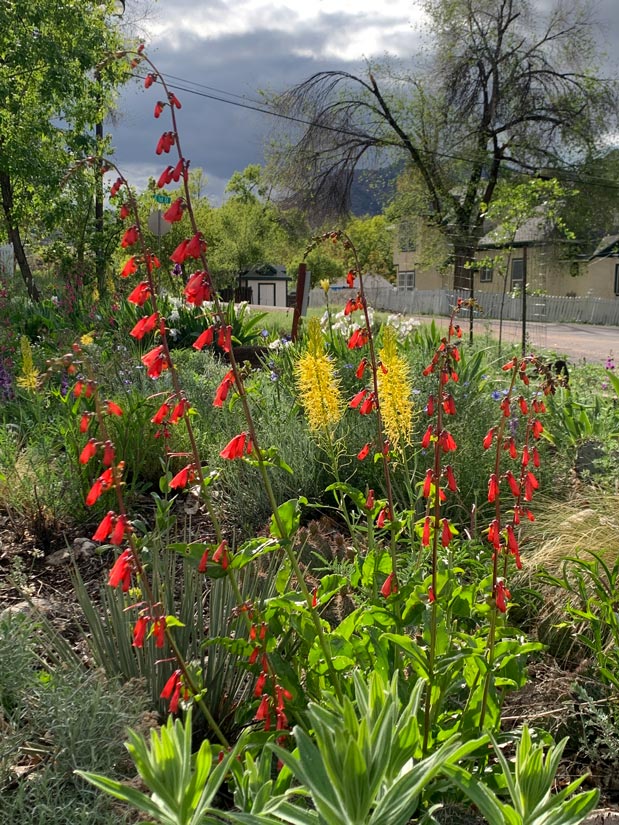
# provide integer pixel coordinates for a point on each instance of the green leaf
(288, 518)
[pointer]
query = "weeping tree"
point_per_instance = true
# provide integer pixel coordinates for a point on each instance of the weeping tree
(503, 88)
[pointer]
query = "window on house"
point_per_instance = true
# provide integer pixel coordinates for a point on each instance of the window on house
(485, 275)
(406, 236)
(406, 279)
(517, 273)
(616, 279)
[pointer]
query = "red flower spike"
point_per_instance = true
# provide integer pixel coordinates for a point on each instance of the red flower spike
(427, 483)
(120, 574)
(425, 441)
(445, 533)
(183, 477)
(361, 368)
(493, 488)
(488, 438)
(364, 452)
(501, 595)
(352, 304)
(159, 626)
(431, 596)
(204, 339)
(118, 533)
(112, 408)
(159, 107)
(389, 587)
(129, 268)
(140, 294)
(235, 448)
(350, 279)
(105, 527)
(172, 691)
(513, 484)
(139, 631)
(203, 562)
(162, 413)
(130, 237)
(357, 399)
(144, 326)
(175, 211)
(369, 502)
(89, 451)
(425, 536)
(451, 479)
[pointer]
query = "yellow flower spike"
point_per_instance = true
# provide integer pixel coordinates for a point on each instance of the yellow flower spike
(319, 390)
(29, 375)
(324, 284)
(394, 392)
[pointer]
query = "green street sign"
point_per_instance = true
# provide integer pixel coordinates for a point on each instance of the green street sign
(162, 199)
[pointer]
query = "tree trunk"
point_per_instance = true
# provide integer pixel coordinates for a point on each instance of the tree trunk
(15, 238)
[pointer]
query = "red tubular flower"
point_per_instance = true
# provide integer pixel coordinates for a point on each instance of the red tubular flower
(447, 442)
(513, 452)
(115, 188)
(357, 399)
(203, 562)
(172, 691)
(180, 253)
(536, 461)
(350, 279)
(364, 452)
(224, 338)
(178, 170)
(159, 626)
(449, 405)
(198, 288)
(118, 533)
(145, 325)
(512, 545)
(139, 631)
(204, 339)
(183, 477)
(427, 483)
(223, 389)
(369, 502)
(493, 487)
(84, 422)
(94, 493)
(162, 413)
(175, 211)
(149, 80)
(78, 388)
(165, 143)
(383, 516)
(509, 365)
(501, 595)
(524, 407)
(151, 261)
(513, 484)
(105, 527)
(174, 101)
(90, 450)
(494, 534)
(506, 407)
(431, 596)
(537, 428)
(235, 448)
(430, 405)
(155, 361)
(389, 587)
(130, 237)
(425, 441)
(129, 268)
(445, 533)
(179, 411)
(165, 177)
(361, 368)
(359, 338)
(195, 246)
(120, 574)
(140, 294)
(220, 556)
(368, 405)
(425, 536)
(112, 408)
(451, 479)
(260, 681)
(159, 107)
(488, 438)
(530, 484)
(263, 714)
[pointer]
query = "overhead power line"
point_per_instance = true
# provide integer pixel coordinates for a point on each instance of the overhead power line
(256, 106)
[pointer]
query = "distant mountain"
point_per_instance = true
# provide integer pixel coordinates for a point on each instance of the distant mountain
(373, 189)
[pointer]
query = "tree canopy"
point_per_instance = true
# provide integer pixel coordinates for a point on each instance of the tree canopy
(504, 88)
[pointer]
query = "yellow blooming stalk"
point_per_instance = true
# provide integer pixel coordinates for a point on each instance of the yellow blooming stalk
(325, 285)
(87, 339)
(319, 390)
(29, 374)
(394, 392)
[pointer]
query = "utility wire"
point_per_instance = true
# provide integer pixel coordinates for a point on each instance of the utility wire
(255, 106)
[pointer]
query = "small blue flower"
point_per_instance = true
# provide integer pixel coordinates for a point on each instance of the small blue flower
(274, 376)
(265, 333)
(496, 395)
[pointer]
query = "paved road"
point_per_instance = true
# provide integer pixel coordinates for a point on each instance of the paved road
(579, 342)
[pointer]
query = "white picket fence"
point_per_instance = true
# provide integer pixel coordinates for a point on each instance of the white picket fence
(544, 308)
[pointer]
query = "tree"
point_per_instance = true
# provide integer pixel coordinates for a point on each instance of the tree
(504, 88)
(52, 89)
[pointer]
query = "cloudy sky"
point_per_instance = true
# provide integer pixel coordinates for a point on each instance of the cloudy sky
(232, 49)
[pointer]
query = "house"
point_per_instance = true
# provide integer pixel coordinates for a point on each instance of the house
(603, 268)
(268, 284)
